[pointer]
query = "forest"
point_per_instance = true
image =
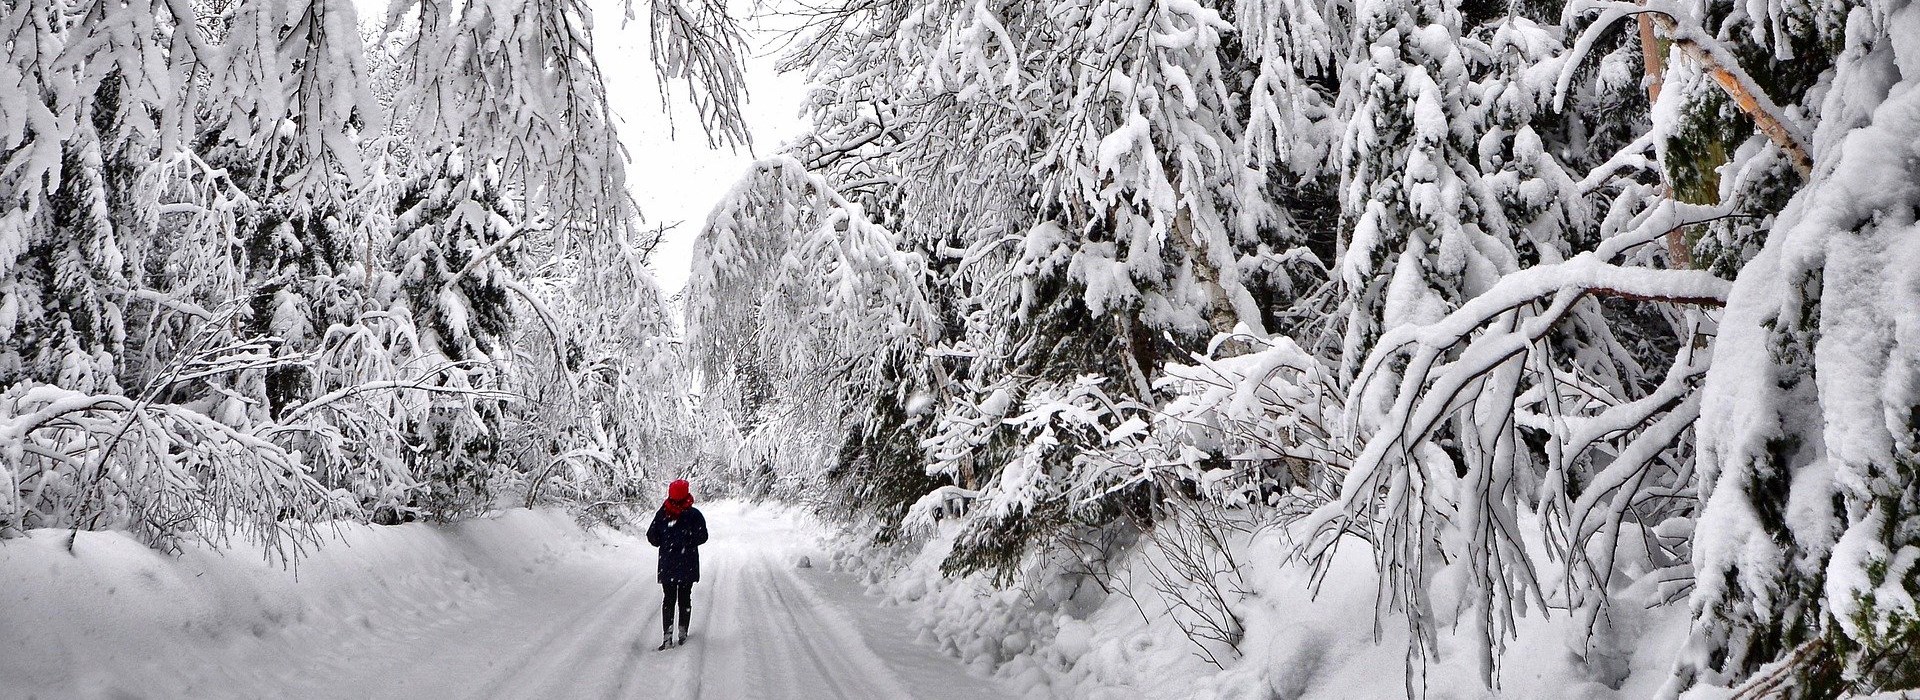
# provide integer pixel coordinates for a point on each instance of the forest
(1576, 310)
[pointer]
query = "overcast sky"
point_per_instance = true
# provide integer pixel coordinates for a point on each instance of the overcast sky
(673, 173)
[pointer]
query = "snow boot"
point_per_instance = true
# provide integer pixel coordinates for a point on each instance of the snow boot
(682, 639)
(666, 640)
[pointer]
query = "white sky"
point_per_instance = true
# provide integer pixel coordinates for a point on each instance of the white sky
(672, 173)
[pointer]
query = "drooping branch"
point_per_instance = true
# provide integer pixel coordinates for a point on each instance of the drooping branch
(423, 383)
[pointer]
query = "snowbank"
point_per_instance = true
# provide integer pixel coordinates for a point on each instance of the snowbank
(1058, 634)
(96, 614)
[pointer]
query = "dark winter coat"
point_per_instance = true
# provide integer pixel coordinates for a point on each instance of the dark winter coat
(679, 542)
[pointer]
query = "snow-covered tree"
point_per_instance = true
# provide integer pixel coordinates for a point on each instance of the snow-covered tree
(1444, 276)
(263, 263)
(1806, 543)
(799, 312)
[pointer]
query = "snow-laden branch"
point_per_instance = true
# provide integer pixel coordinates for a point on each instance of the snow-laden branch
(702, 45)
(1586, 272)
(1428, 387)
(427, 382)
(175, 471)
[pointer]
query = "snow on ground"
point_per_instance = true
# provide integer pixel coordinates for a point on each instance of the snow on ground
(520, 604)
(1061, 635)
(528, 604)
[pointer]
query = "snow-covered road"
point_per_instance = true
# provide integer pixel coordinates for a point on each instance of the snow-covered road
(571, 623)
(762, 628)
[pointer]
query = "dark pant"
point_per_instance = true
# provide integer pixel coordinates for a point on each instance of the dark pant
(678, 595)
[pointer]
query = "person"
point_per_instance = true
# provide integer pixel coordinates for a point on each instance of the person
(678, 529)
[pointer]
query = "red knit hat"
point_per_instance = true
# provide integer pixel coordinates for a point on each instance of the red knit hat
(679, 498)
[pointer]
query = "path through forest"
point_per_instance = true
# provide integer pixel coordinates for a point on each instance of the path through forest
(763, 628)
(573, 623)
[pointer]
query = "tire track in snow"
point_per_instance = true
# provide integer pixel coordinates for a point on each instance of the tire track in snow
(796, 650)
(760, 630)
(853, 658)
(563, 648)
